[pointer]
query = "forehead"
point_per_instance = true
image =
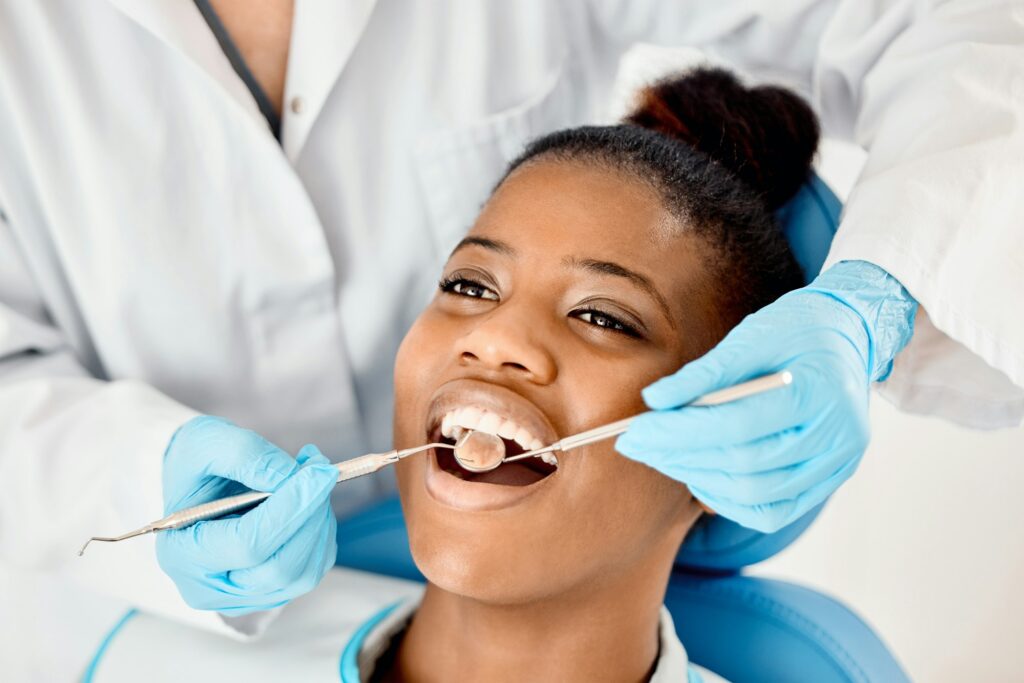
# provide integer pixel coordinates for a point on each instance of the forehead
(551, 210)
(564, 205)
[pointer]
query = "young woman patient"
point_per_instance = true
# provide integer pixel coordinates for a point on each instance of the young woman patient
(607, 257)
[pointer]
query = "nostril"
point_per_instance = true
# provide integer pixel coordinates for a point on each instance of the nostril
(517, 366)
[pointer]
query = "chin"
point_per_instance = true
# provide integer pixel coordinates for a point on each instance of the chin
(472, 559)
(462, 576)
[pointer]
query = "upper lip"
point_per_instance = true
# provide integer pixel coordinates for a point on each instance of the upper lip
(492, 397)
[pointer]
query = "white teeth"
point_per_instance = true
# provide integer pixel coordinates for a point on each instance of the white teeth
(550, 459)
(489, 423)
(468, 417)
(508, 430)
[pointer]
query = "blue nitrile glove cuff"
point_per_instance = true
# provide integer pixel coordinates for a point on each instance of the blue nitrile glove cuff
(885, 306)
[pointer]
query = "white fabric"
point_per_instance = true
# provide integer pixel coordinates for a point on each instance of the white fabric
(306, 643)
(938, 203)
(160, 254)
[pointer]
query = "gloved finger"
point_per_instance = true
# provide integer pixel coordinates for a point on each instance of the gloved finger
(769, 518)
(763, 488)
(728, 424)
(782, 449)
(306, 452)
(209, 592)
(294, 569)
(268, 586)
(246, 457)
(246, 541)
(213, 488)
(208, 446)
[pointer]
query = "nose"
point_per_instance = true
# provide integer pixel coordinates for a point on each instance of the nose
(507, 342)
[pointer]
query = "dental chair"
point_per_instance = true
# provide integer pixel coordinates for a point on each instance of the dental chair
(741, 627)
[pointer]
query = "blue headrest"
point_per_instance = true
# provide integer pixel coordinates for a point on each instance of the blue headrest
(809, 221)
(754, 629)
(374, 539)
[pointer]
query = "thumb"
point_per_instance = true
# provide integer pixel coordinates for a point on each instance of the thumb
(720, 367)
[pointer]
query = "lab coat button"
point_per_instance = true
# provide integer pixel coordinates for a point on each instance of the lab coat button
(297, 105)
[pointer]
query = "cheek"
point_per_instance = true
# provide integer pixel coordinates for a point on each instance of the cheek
(417, 365)
(623, 512)
(604, 387)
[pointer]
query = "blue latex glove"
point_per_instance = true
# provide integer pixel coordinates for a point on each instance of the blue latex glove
(766, 460)
(265, 557)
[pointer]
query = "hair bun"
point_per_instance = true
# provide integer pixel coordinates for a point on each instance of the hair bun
(766, 135)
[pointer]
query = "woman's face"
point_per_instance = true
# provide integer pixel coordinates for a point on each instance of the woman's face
(573, 291)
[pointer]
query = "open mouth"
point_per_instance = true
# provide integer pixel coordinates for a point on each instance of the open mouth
(520, 473)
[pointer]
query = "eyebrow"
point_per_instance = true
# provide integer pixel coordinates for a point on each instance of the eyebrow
(494, 245)
(616, 270)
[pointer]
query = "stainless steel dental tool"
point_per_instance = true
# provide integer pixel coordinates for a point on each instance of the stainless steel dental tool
(349, 469)
(487, 454)
(474, 451)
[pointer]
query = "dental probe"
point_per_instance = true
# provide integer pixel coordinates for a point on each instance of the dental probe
(349, 469)
(734, 393)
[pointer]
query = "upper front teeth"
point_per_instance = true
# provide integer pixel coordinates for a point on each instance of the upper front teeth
(455, 422)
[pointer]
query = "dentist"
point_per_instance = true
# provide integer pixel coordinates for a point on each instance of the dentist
(234, 208)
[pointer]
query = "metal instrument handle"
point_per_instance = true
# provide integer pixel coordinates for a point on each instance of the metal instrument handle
(215, 508)
(714, 398)
(593, 435)
(364, 464)
(349, 469)
(776, 380)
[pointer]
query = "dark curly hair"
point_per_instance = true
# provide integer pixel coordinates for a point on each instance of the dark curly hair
(723, 158)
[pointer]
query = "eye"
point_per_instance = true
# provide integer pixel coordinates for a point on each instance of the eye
(600, 319)
(461, 286)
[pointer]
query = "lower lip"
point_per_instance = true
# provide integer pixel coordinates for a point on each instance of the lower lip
(449, 490)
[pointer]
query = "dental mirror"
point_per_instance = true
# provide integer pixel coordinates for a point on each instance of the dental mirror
(479, 451)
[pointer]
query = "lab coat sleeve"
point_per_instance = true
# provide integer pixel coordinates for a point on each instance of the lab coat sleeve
(934, 91)
(81, 457)
(940, 109)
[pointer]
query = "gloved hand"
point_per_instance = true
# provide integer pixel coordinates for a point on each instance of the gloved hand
(766, 460)
(265, 557)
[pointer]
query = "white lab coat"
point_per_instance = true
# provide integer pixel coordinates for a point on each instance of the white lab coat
(161, 254)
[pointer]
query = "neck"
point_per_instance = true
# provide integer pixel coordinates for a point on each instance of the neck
(606, 630)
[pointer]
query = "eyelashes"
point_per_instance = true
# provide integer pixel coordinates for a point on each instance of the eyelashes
(598, 318)
(459, 285)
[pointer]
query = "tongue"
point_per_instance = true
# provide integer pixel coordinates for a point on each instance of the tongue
(511, 474)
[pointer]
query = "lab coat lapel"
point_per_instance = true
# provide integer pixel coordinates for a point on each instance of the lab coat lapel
(180, 25)
(324, 35)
